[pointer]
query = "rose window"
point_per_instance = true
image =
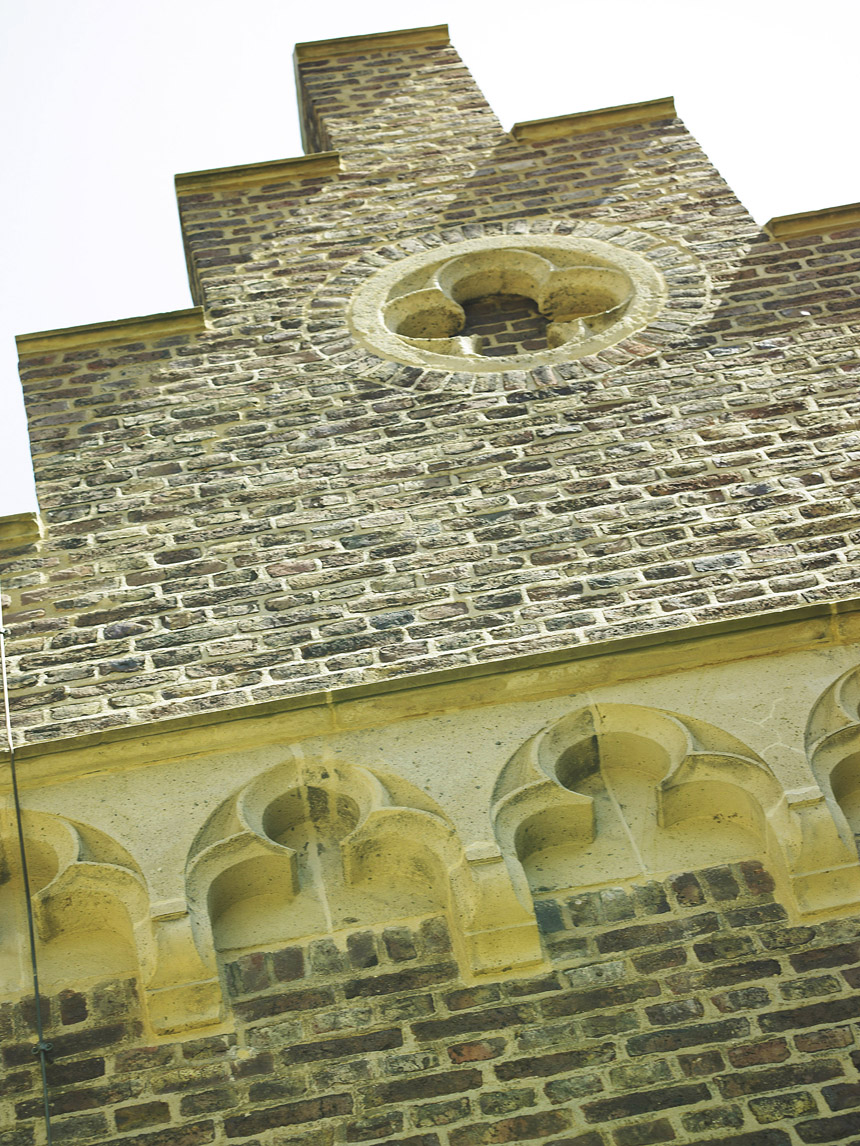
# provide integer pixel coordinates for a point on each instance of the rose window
(497, 304)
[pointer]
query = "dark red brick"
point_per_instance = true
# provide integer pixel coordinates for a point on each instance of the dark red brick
(778, 1077)
(143, 1114)
(288, 964)
(687, 890)
(539, 1066)
(471, 1022)
(829, 1129)
(682, 982)
(338, 1048)
(758, 880)
(814, 1041)
(477, 1051)
(754, 1138)
(813, 1015)
(521, 1128)
(843, 1096)
(376, 1126)
(580, 1002)
(191, 1134)
(267, 1006)
(657, 934)
(644, 1133)
(755, 1054)
(208, 1101)
(661, 1042)
(410, 980)
(79, 1070)
(644, 1101)
(287, 1114)
(73, 1007)
(420, 1086)
(837, 955)
(704, 1063)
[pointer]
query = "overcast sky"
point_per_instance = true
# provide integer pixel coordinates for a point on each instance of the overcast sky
(103, 101)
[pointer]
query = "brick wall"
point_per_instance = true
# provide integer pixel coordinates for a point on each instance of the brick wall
(689, 1010)
(267, 509)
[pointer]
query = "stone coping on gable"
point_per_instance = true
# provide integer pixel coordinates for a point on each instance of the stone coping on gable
(432, 36)
(535, 130)
(258, 174)
(20, 529)
(807, 223)
(557, 672)
(147, 326)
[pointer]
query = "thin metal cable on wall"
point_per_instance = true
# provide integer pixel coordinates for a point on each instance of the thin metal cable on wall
(42, 1047)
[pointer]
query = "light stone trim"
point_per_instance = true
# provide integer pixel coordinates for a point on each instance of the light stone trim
(697, 776)
(426, 817)
(366, 834)
(558, 672)
(20, 529)
(431, 36)
(810, 223)
(594, 293)
(148, 327)
(833, 747)
(578, 123)
(299, 167)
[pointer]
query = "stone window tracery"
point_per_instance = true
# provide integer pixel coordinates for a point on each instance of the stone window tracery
(507, 302)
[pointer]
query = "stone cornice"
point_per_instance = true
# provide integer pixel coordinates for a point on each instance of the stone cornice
(536, 130)
(560, 672)
(434, 36)
(807, 223)
(258, 174)
(144, 327)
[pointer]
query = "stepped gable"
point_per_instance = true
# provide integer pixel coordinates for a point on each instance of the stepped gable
(435, 669)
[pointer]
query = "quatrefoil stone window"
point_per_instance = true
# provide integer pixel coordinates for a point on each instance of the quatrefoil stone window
(506, 303)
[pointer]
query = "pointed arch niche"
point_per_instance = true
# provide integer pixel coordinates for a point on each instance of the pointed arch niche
(615, 792)
(90, 904)
(313, 848)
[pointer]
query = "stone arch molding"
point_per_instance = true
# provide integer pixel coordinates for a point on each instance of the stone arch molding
(833, 749)
(90, 906)
(94, 918)
(314, 847)
(591, 292)
(616, 791)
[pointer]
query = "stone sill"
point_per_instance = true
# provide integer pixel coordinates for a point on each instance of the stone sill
(536, 130)
(144, 327)
(258, 174)
(807, 223)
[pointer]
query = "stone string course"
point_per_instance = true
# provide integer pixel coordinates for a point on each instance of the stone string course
(688, 1010)
(268, 509)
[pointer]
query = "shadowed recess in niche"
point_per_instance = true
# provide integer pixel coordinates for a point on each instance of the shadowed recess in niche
(620, 792)
(262, 902)
(620, 772)
(506, 324)
(87, 898)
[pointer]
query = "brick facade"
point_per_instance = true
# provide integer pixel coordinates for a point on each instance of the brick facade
(684, 1011)
(266, 509)
(251, 516)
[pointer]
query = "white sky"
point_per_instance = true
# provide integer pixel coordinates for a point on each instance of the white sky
(103, 101)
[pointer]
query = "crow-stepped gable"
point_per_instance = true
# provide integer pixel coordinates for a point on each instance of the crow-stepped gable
(435, 673)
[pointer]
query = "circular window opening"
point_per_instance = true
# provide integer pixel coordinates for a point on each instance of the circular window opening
(495, 304)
